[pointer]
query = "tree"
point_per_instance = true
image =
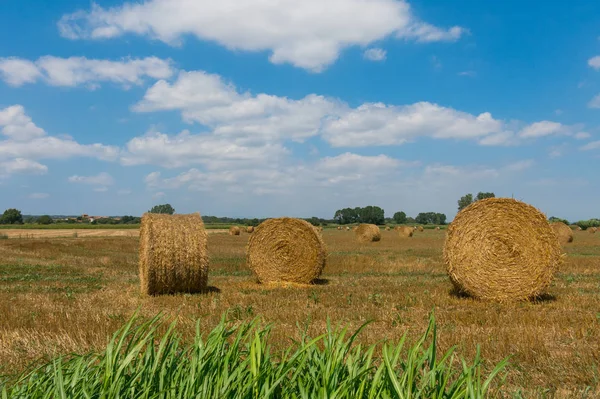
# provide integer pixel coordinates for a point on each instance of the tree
(400, 217)
(430, 218)
(45, 219)
(553, 219)
(11, 216)
(372, 214)
(164, 208)
(465, 201)
(481, 196)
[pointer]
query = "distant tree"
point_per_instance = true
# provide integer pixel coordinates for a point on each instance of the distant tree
(11, 216)
(372, 214)
(346, 216)
(164, 208)
(430, 218)
(481, 196)
(400, 217)
(314, 221)
(45, 219)
(553, 219)
(410, 220)
(465, 201)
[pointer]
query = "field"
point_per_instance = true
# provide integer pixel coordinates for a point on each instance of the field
(68, 295)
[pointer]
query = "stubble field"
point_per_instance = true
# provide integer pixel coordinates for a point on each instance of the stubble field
(68, 295)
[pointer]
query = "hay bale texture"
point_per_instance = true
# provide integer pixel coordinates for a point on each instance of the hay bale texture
(501, 249)
(234, 231)
(173, 254)
(420, 228)
(591, 230)
(387, 228)
(405, 231)
(563, 232)
(286, 250)
(249, 229)
(367, 232)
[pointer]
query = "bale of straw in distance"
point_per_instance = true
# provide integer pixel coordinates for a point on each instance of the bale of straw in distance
(405, 231)
(501, 249)
(420, 228)
(367, 232)
(339, 228)
(437, 228)
(347, 228)
(286, 250)
(387, 228)
(234, 231)
(563, 232)
(173, 254)
(591, 230)
(249, 229)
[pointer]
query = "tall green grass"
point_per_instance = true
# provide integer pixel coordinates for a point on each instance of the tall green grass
(238, 362)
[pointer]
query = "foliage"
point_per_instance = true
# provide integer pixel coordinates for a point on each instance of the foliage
(368, 214)
(11, 216)
(237, 362)
(430, 218)
(585, 224)
(553, 219)
(164, 208)
(467, 199)
(400, 217)
(45, 219)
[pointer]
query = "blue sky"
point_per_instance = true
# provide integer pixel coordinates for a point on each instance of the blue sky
(274, 108)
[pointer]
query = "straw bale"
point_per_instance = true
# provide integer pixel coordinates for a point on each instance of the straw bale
(591, 230)
(405, 231)
(286, 250)
(387, 228)
(437, 228)
(501, 249)
(367, 232)
(563, 232)
(249, 229)
(173, 254)
(234, 231)
(420, 228)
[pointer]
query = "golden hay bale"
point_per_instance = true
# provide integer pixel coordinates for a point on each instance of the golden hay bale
(234, 231)
(501, 249)
(591, 230)
(420, 228)
(249, 229)
(578, 228)
(339, 228)
(563, 232)
(405, 231)
(173, 254)
(367, 232)
(437, 228)
(347, 228)
(286, 249)
(387, 228)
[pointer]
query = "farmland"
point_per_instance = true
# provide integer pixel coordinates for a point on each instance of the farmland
(61, 295)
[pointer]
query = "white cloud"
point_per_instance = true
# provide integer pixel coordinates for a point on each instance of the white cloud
(22, 166)
(582, 135)
(102, 179)
(379, 124)
(16, 71)
(470, 74)
(594, 62)
(17, 125)
(309, 34)
(38, 195)
(541, 129)
(375, 54)
(594, 102)
(77, 71)
(593, 145)
(158, 195)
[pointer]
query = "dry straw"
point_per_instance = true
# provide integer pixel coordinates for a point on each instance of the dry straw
(387, 228)
(173, 254)
(591, 230)
(501, 249)
(234, 231)
(286, 250)
(249, 229)
(339, 228)
(420, 228)
(405, 231)
(347, 228)
(437, 228)
(563, 232)
(367, 232)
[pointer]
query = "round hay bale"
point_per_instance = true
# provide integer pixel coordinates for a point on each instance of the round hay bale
(420, 228)
(367, 232)
(563, 232)
(347, 228)
(286, 250)
(387, 228)
(339, 228)
(234, 231)
(578, 228)
(591, 230)
(173, 254)
(501, 249)
(437, 228)
(249, 229)
(405, 231)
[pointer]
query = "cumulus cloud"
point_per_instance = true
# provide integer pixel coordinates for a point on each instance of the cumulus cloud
(22, 166)
(17, 125)
(375, 54)
(593, 145)
(594, 102)
(309, 34)
(77, 71)
(594, 62)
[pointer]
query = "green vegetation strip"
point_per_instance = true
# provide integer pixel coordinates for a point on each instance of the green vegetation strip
(237, 362)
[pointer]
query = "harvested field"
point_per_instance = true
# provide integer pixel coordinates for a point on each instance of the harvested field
(80, 233)
(64, 295)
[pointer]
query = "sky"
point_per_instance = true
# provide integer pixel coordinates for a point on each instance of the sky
(284, 108)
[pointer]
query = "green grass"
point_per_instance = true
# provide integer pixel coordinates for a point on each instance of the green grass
(235, 361)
